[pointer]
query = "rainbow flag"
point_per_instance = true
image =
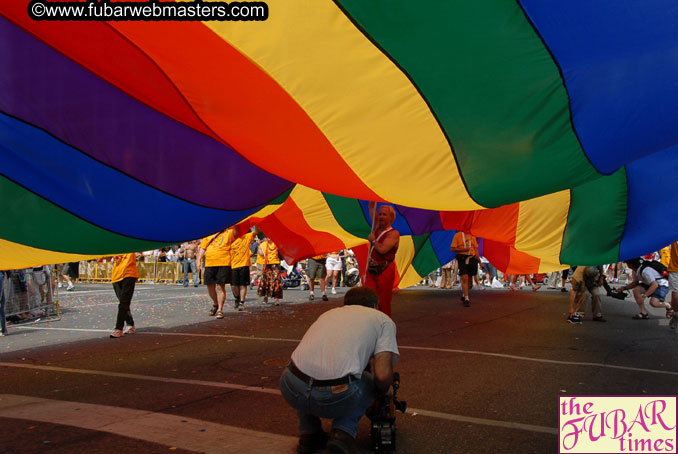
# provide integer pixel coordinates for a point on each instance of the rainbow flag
(550, 124)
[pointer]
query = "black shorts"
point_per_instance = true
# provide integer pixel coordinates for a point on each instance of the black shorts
(217, 275)
(469, 270)
(71, 270)
(241, 276)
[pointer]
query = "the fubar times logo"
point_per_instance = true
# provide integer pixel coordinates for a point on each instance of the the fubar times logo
(617, 424)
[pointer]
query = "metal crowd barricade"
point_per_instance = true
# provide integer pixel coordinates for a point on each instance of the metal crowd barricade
(29, 294)
(95, 271)
(157, 272)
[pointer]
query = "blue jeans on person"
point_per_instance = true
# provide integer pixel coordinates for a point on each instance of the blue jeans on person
(491, 270)
(3, 320)
(190, 263)
(660, 292)
(315, 402)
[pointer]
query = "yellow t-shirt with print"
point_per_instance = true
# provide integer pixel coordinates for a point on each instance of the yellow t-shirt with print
(218, 248)
(124, 266)
(260, 258)
(464, 240)
(272, 250)
(240, 251)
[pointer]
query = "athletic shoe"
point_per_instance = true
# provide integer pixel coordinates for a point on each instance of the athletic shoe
(116, 334)
(311, 297)
(70, 288)
(325, 298)
(334, 291)
(130, 330)
(466, 301)
(575, 319)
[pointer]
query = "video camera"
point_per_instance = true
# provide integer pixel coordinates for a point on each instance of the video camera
(383, 416)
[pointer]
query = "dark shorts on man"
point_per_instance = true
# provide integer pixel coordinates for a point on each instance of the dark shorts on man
(470, 269)
(217, 275)
(241, 276)
(71, 270)
(315, 269)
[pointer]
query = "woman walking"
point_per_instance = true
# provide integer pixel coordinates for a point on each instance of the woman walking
(333, 265)
(270, 285)
(124, 278)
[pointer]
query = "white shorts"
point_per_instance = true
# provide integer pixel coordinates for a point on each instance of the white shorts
(673, 281)
(333, 264)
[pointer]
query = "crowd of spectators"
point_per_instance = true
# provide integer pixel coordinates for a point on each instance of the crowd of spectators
(27, 293)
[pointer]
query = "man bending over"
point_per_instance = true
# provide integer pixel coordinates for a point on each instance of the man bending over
(326, 377)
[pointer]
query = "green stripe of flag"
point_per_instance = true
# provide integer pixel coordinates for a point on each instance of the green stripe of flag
(492, 85)
(595, 223)
(43, 225)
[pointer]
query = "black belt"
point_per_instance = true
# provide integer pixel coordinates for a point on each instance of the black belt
(313, 382)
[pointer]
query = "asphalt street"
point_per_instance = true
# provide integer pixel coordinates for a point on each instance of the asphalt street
(477, 380)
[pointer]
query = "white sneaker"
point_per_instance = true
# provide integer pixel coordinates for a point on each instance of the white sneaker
(59, 285)
(130, 330)
(334, 291)
(116, 334)
(70, 287)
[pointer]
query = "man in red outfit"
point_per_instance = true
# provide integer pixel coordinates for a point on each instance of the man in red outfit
(381, 270)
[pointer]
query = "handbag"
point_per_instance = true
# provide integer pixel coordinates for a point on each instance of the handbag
(377, 268)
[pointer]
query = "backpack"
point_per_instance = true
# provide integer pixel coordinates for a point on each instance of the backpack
(657, 266)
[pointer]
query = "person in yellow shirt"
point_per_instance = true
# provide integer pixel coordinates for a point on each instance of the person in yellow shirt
(665, 255)
(466, 247)
(271, 285)
(124, 279)
(672, 268)
(259, 263)
(240, 264)
(217, 252)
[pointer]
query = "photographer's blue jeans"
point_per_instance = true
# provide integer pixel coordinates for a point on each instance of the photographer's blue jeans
(312, 403)
(189, 265)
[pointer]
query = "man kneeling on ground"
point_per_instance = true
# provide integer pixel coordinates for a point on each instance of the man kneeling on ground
(326, 377)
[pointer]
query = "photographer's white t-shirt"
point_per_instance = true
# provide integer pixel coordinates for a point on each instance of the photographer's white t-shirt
(342, 341)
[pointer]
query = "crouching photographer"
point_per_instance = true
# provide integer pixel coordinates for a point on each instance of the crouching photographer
(326, 377)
